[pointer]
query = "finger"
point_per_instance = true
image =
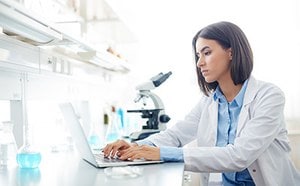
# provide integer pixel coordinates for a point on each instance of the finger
(131, 153)
(106, 150)
(111, 149)
(141, 152)
(119, 145)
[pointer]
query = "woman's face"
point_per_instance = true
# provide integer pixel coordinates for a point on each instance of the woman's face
(214, 61)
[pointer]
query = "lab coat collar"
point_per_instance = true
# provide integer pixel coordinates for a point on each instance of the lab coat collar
(249, 96)
(250, 93)
(218, 95)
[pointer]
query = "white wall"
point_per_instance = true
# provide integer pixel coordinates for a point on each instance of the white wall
(165, 30)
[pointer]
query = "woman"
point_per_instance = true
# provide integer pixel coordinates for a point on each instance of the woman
(238, 124)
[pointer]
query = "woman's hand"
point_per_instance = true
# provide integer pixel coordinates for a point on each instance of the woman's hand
(140, 152)
(112, 149)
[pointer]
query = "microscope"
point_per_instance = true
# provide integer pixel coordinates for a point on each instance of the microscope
(156, 117)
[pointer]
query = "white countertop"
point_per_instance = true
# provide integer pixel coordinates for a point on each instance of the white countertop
(68, 169)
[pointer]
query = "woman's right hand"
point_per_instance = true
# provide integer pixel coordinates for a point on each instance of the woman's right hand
(111, 150)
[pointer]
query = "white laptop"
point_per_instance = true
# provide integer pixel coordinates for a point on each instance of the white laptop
(83, 147)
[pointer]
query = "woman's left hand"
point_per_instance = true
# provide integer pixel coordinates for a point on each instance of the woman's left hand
(140, 152)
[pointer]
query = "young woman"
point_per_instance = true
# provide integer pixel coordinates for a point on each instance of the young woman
(238, 124)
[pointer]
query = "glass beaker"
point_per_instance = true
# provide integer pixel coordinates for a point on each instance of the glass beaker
(8, 146)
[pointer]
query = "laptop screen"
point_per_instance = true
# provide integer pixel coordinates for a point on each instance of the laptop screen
(82, 144)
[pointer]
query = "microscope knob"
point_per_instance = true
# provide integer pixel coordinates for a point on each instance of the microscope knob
(164, 118)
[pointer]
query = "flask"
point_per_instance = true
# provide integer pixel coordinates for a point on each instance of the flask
(113, 130)
(120, 120)
(8, 146)
(94, 138)
(28, 156)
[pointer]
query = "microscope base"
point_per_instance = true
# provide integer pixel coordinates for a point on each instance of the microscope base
(142, 134)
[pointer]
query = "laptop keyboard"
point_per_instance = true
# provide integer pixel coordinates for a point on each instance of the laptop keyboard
(101, 158)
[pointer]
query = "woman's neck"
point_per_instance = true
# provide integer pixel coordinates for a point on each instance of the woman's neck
(229, 89)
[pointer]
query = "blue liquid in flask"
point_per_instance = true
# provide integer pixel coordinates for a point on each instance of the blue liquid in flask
(94, 142)
(29, 160)
(111, 137)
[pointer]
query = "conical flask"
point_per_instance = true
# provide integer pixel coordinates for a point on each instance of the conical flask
(94, 139)
(113, 129)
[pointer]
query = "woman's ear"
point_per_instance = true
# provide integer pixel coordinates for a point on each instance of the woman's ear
(229, 53)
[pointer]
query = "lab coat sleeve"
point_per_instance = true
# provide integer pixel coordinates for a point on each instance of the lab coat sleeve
(261, 124)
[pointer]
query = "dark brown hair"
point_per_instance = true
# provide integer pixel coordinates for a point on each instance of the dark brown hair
(228, 35)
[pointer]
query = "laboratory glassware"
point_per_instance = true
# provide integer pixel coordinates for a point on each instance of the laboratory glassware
(8, 146)
(28, 156)
(113, 129)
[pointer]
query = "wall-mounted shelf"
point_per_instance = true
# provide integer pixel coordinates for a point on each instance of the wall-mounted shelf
(19, 24)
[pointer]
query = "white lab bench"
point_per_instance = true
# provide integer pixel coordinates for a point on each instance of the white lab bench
(68, 169)
(82, 74)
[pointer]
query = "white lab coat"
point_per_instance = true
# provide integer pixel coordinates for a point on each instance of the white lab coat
(261, 142)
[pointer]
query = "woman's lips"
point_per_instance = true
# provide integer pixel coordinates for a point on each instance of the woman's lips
(204, 72)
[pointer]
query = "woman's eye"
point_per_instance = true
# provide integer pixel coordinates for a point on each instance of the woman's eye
(207, 53)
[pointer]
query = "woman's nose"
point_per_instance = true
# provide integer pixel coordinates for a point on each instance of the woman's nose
(200, 62)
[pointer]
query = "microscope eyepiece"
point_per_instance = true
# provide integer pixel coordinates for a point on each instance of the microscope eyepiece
(160, 78)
